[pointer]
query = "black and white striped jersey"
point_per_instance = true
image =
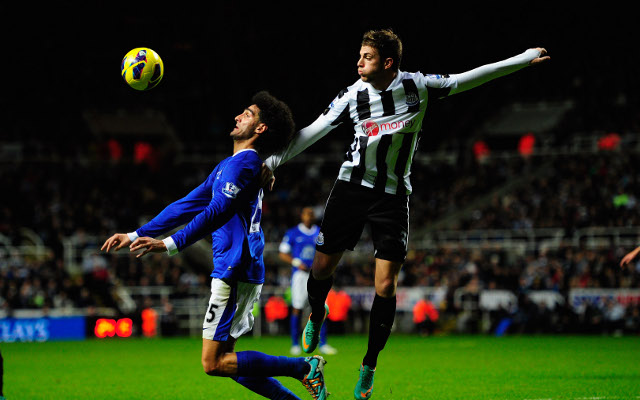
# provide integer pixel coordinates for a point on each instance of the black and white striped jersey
(387, 123)
(387, 126)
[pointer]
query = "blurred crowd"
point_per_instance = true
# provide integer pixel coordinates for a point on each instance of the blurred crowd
(80, 205)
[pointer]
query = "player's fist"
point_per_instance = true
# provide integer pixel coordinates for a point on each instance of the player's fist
(542, 57)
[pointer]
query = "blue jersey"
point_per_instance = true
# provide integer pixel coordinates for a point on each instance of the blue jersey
(300, 242)
(227, 205)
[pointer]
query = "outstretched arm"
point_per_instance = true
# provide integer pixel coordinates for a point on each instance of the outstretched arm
(302, 139)
(478, 76)
(334, 115)
(216, 214)
(629, 257)
(174, 215)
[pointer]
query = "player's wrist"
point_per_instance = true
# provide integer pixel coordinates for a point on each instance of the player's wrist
(170, 245)
(296, 262)
(132, 236)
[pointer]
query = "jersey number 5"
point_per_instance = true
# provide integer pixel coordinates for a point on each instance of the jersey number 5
(212, 312)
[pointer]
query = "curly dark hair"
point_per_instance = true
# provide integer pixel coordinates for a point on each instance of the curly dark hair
(277, 116)
(387, 43)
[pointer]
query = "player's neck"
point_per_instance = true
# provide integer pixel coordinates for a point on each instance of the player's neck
(243, 145)
(384, 81)
(239, 145)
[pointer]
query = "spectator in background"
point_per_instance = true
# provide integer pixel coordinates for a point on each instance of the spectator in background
(168, 319)
(425, 317)
(339, 303)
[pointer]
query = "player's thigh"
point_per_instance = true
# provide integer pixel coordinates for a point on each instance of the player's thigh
(229, 312)
(344, 219)
(299, 296)
(389, 221)
(324, 265)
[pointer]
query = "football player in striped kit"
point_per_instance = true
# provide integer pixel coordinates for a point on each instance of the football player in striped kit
(386, 107)
(228, 206)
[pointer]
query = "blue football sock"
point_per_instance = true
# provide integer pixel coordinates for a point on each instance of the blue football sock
(254, 363)
(323, 334)
(270, 388)
(295, 329)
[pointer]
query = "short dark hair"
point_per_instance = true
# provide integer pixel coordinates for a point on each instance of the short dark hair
(387, 43)
(277, 116)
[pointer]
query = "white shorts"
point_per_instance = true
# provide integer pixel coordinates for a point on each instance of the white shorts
(299, 296)
(229, 312)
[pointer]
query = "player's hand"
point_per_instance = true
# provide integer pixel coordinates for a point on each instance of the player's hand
(119, 240)
(629, 257)
(147, 245)
(267, 179)
(541, 58)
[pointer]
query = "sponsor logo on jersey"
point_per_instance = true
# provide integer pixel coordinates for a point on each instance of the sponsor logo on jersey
(230, 190)
(371, 128)
(437, 76)
(320, 239)
(412, 99)
(326, 110)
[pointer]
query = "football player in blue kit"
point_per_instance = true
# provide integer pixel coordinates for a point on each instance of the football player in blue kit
(228, 206)
(298, 248)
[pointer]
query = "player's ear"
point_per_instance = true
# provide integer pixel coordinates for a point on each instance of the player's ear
(261, 128)
(388, 63)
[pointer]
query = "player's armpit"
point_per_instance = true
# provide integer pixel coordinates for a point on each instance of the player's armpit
(266, 177)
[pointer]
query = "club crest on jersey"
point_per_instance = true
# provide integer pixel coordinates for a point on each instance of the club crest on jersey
(320, 239)
(230, 190)
(412, 99)
(370, 128)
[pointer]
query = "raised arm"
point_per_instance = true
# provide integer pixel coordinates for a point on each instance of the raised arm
(629, 257)
(478, 76)
(301, 140)
(334, 115)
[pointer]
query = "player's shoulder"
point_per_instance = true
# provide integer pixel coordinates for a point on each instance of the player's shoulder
(294, 231)
(247, 157)
(416, 76)
(351, 90)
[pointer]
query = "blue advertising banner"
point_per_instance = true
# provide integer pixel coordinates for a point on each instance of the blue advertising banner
(42, 329)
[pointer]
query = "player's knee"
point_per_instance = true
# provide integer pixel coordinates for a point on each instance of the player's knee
(386, 287)
(212, 367)
(324, 265)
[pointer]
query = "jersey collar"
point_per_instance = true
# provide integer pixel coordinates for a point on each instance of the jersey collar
(240, 151)
(307, 231)
(393, 83)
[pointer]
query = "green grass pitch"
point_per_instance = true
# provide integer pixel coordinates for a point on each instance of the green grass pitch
(410, 367)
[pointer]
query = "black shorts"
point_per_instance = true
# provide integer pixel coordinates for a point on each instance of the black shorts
(350, 207)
